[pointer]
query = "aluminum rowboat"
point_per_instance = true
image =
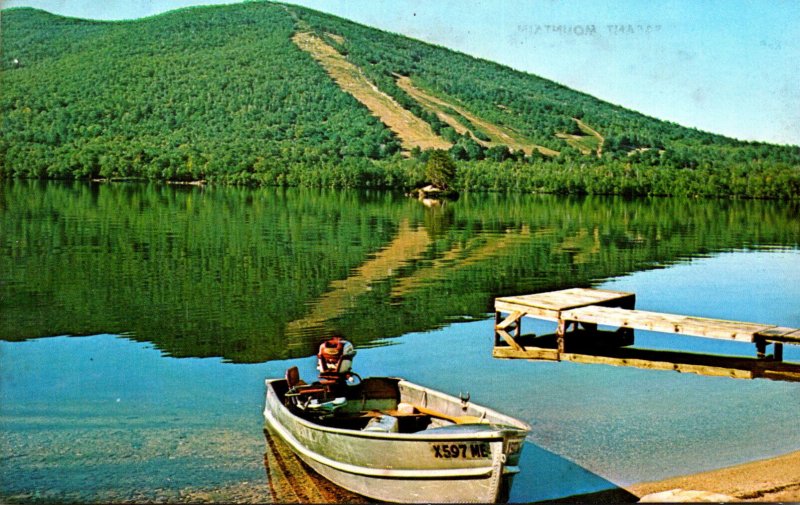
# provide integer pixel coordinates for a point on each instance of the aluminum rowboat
(391, 440)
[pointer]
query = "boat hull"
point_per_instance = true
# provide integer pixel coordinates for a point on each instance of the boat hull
(474, 463)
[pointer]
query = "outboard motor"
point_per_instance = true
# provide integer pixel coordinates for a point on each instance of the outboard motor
(335, 360)
(323, 397)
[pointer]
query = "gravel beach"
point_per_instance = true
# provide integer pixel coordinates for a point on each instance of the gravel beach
(769, 480)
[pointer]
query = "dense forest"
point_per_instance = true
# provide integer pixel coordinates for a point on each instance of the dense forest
(223, 94)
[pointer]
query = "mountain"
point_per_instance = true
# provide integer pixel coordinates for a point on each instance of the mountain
(264, 93)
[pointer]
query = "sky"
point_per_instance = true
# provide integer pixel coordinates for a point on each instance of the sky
(724, 66)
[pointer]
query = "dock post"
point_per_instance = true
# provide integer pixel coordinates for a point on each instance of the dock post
(778, 354)
(761, 348)
(497, 318)
(560, 337)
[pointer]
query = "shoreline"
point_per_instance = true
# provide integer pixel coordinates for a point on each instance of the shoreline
(775, 479)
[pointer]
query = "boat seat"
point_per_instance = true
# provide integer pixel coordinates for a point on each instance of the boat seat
(293, 377)
(298, 386)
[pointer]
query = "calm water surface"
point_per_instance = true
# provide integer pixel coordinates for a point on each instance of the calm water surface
(138, 323)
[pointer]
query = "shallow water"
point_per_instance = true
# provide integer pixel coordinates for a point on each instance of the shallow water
(104, 418)
(132, 411)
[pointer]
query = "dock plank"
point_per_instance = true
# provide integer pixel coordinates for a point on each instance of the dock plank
(654, 363)
(792, 337)
(527, 310)
(667, 323)
(780, 334)
(565, 298)
(676, 361)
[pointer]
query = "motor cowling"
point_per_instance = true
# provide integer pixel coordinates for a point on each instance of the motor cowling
(335, 358)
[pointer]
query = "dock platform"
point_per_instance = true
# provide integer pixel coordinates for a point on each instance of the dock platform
(578, 312)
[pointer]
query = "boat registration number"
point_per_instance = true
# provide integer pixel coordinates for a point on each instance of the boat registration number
(462, 451)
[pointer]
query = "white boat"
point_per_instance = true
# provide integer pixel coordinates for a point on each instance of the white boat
(391, 440)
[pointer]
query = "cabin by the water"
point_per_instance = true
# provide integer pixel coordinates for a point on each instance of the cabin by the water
(579, 312)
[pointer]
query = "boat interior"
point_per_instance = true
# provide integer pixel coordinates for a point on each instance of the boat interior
(376, 404)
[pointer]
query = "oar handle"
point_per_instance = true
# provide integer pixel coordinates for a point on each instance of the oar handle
(442, 415)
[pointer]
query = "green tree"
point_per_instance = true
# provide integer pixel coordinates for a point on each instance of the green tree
(440, 169)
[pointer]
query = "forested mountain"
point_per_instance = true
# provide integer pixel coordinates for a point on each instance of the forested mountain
(264, 93)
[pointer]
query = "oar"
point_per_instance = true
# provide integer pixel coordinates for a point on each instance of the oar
(455, 419)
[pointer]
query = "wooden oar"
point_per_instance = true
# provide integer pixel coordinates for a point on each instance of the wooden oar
(455, 419)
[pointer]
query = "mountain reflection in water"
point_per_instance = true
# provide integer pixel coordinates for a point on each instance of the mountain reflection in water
(252, 275)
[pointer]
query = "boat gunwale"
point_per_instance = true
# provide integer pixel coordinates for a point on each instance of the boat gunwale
(496, 434)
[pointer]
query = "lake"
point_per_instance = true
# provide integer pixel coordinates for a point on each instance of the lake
(138, 322)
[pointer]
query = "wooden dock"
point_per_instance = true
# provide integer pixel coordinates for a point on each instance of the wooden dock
(578, 312)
